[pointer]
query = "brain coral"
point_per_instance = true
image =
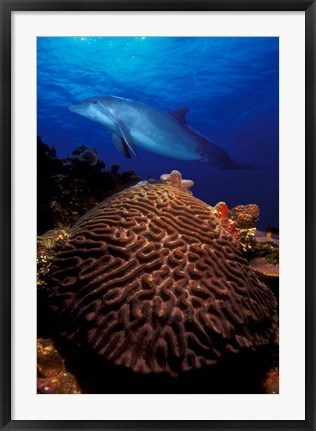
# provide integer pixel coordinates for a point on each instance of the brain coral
(150, 280)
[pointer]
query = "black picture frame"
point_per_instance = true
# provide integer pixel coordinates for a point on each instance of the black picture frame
(7, 7)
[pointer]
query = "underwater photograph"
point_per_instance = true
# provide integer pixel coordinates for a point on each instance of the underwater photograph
(157, 215)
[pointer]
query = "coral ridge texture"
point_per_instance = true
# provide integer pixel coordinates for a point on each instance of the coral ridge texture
(150, 280)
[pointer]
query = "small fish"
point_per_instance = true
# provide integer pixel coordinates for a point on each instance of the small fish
(168, 134)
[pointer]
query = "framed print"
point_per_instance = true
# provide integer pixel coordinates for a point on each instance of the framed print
(158, 190)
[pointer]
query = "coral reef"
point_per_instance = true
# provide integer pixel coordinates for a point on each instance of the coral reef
(272, 232)
(150, 280)
(47, 246)
(222, 210)
(83, 155)
(245, 216)
(263, 256)
(67, 188)
(267, 248)
(270, 383)
(240, 222)
(264, 268)
(53, 378)
(175, 180)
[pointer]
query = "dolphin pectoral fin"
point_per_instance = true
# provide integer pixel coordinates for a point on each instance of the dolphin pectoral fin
(179, 114)
(124, 132)
(121, 146)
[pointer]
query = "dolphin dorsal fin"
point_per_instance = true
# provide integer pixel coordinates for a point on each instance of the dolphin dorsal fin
(179, 114)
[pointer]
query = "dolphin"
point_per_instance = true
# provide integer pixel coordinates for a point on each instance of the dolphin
(168, 134)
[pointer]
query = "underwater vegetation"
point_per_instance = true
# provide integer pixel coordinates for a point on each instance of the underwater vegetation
(153, 291)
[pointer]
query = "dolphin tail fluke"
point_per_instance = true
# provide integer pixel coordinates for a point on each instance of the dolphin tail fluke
(231, 165)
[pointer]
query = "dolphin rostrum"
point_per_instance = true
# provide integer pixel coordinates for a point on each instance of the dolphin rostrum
(133, 123)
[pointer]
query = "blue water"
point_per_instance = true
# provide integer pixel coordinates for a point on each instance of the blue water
(231, 86)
